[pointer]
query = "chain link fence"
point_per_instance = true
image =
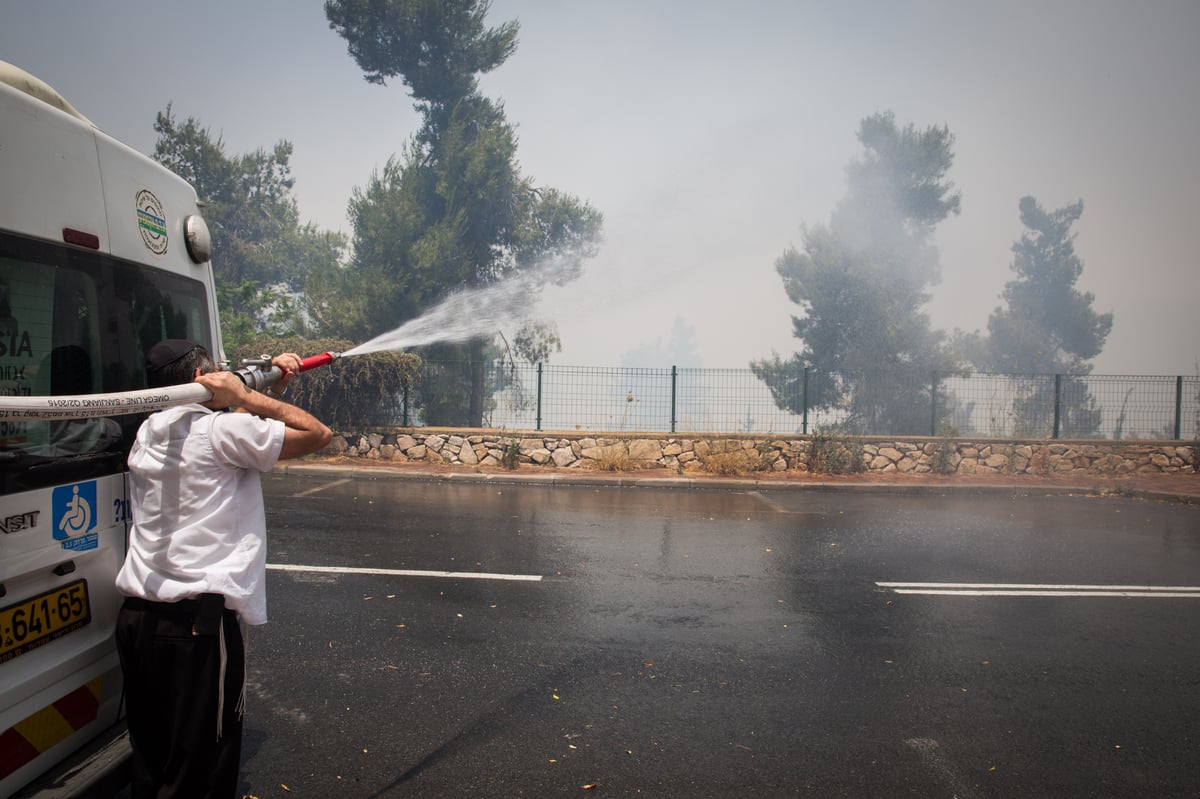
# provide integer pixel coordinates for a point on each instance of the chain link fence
(676, 400)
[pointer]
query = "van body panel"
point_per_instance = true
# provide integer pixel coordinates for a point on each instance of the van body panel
(104, 298)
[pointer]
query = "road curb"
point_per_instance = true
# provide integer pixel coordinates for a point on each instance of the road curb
(723, 483)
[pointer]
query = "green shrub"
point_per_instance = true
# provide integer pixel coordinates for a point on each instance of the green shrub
(830, 451)
(947, 448)
(510, 457)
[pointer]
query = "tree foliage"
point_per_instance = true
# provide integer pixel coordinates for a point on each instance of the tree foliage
(454, 212)
(861, 282)
(1047, 326)
(436, 48)
(262, 256)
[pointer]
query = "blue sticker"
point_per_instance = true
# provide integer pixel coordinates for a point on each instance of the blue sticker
(75, 515)
(85, 542)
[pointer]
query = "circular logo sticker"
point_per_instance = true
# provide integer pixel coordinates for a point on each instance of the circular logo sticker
(152, 221)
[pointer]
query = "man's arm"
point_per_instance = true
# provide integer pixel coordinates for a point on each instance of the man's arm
(303, 432)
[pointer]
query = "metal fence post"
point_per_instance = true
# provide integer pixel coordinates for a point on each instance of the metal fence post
(1178, 405)
(933, 404)
(804, 405)
(674, 381)
(538, 421)
(1057, 405)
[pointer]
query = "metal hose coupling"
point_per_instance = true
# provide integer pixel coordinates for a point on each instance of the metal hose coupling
(260, 373)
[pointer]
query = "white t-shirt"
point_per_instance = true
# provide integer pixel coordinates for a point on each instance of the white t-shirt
(199, 525)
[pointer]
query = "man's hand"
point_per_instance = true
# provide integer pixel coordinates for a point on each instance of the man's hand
(227, 389)
(289, 364)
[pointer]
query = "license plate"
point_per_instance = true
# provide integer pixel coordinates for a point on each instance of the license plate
(29, 624)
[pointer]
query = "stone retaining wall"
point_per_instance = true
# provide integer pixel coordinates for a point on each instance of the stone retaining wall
(725, 454)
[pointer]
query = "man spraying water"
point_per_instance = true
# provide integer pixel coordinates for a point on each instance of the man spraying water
(195, 570)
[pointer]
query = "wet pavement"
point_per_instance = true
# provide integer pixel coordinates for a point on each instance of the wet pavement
(734, 640)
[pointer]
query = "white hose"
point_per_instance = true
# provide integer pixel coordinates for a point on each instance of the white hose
(257, 377)
(91, 406)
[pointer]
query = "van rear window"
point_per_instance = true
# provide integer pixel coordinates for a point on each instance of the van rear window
(78, 322)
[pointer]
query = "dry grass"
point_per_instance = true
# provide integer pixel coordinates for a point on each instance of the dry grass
(613, 459)
(734, 462)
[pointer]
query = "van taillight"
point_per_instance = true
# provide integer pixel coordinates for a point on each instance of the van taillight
(78, 237)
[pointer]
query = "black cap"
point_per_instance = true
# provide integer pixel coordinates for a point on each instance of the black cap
(167, 352)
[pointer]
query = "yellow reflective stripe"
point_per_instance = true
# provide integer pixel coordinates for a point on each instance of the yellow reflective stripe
(48, 726)
(44, 729)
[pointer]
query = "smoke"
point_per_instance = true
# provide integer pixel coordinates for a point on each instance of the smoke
(475, 312)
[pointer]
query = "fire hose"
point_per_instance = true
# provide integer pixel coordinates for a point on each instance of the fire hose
(257, 373)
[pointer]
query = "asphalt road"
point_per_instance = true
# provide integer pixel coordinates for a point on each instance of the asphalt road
(665, 643)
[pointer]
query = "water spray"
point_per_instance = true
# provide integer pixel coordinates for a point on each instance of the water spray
(461, 316)
(256, 373)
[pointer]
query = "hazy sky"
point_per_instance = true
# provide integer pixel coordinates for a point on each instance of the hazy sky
(710, 133)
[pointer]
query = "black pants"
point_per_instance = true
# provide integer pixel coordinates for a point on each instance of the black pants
(184, 671)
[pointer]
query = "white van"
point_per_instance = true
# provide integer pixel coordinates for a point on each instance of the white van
(103, 253)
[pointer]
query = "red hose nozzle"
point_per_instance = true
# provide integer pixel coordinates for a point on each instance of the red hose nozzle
(324, 359)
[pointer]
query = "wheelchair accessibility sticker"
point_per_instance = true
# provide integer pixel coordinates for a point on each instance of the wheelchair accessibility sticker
(75, 516)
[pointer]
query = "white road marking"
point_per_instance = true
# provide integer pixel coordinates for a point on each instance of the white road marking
(322, 487)
(1039, 589)
(520, 578)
